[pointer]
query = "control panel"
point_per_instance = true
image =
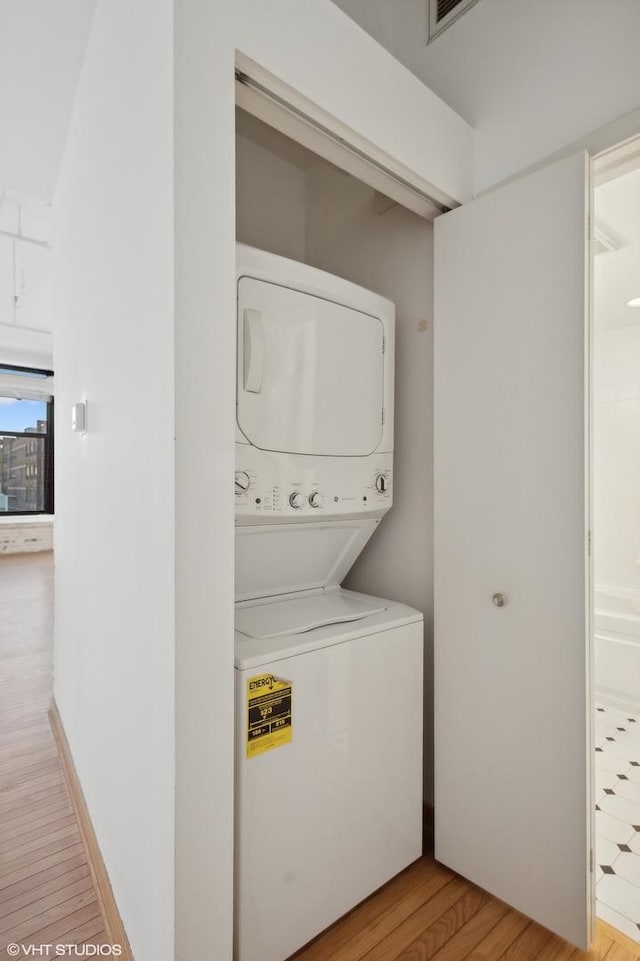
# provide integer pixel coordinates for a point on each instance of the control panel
(288, 485)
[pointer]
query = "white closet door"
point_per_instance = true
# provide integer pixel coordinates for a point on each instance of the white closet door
(310, 372)
(512, 682)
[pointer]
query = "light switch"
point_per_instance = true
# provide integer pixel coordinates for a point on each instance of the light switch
(79, 418)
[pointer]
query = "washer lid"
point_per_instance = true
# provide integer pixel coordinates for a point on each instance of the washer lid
(379, 616)
(284, 558)
(301, 614)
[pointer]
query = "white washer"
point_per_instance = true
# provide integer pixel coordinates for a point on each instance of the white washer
(328, 682)
(328, 818)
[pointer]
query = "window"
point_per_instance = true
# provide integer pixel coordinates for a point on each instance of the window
(26, 443)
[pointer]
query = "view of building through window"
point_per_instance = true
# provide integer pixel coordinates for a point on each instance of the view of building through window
(25, 456)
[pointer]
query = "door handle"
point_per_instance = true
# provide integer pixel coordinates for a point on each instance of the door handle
(253, 351)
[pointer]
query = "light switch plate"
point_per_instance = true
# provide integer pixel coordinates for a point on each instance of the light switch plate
(79, 418)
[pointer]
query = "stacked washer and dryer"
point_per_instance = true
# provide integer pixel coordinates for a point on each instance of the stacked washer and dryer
(328, 681)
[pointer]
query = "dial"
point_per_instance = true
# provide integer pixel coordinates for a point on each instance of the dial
(243, 482)
(296, 500)
(382, 483)
(316, 499)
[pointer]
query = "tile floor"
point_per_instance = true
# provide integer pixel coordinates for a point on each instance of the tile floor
(618, 819)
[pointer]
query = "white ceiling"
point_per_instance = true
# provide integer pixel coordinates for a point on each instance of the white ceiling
(617, 273)
(42, 45)
(531, 77)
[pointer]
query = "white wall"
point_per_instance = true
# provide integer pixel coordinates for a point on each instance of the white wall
(205, 339)
(270, 207)
(114, 541)
(391, 253)
(617, 458)
(529, 77)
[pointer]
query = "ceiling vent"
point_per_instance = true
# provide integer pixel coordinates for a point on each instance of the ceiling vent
(442, 13)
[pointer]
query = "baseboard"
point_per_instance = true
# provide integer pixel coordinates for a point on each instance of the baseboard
(427, 829)
(619, 938)
(110, 915)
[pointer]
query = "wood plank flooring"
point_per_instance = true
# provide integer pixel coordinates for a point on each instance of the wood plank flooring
(428, 912)
(46, 892)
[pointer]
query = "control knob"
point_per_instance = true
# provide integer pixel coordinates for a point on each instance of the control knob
(243, 482)
(382, 483)
(296, 500)
(316, 499)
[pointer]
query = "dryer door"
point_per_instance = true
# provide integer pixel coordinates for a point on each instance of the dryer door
(310, 373)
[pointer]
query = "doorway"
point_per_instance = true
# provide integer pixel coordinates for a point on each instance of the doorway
(616, 536)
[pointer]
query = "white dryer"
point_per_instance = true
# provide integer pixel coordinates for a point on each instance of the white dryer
(314, 427)
(328, 682)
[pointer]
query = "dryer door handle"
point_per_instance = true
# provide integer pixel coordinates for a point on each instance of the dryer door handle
(254, 351)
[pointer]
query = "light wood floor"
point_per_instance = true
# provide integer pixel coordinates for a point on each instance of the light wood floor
(46, 893)
(428, 912)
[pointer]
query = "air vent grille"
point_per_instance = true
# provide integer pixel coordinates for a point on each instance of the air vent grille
(445, 7)
(442, 13)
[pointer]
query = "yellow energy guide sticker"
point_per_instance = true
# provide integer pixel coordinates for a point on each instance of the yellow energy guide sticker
(269, 722)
